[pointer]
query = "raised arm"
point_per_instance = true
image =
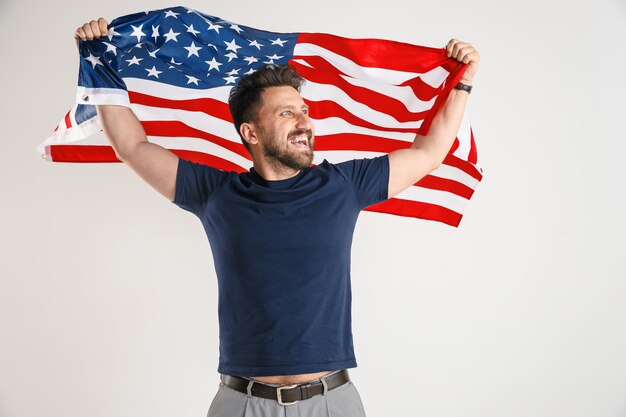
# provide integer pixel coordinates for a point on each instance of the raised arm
(407, 166)
(153, 163)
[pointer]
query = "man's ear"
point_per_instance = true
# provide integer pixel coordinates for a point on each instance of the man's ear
(248, 133)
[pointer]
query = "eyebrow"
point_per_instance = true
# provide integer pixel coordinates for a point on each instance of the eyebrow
(290, 107)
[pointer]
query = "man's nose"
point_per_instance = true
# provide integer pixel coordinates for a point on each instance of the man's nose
(303, 121)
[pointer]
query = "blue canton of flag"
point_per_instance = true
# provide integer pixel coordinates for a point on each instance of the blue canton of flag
(184, 48)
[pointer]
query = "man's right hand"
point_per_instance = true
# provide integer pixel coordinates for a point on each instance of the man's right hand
(92, 30)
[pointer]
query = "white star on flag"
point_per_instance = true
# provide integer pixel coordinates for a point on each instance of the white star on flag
(278, 41)
(191, 30)
(256, 44)
(94, 60)
(192, 50)
(232, 46)
(134, 61)
(170, 13)
(110, 48)
(230, 79)
(192, 79)
(236, 28)
(153, 71)
(250, 60)
(111, 32)
(214, 27)
(155, 32)
(137, 32)
(231, 56)
(213, 64)
(153, 53)
(171, 36)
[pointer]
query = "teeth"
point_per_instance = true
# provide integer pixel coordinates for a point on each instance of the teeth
(299, 139)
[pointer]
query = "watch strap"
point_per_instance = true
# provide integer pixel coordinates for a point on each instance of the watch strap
(464, 87)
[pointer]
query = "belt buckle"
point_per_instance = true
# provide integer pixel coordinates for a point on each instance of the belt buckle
(280, 396)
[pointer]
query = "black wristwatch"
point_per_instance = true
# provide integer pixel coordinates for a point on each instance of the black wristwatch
(464, 87)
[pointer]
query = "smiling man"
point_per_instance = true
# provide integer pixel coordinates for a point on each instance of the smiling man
(281, 237)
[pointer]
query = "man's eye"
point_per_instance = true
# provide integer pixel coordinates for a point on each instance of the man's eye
(286, 113)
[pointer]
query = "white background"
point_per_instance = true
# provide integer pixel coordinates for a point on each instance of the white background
(108, 295)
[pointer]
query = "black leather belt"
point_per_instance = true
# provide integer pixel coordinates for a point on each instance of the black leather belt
(286, 394)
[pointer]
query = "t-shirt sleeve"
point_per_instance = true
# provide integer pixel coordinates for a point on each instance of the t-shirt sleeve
(369, 178)
(194, 185)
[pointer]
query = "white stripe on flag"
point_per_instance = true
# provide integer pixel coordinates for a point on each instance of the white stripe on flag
(194, 119)
(465, 139)
(453, 173)
(333, 125)
(172, 92)
(95, 96)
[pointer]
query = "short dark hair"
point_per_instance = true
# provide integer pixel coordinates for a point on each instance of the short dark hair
(245, 101)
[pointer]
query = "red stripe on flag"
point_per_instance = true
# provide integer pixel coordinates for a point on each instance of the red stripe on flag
(455, 145)
(380, 53)
(445, 184)
(473, 153)
(464, 166)
(410, 208)
(208, 106)
(358, 142)
(82, 153)
(68, 120)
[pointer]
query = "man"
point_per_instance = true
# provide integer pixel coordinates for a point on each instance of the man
(281, 236)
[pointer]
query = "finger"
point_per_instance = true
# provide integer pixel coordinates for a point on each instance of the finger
(95, 28)
(104, 26)
(452, 45)
(459, 49)
(470, 57)
(468, 54)
(88, 32)
(449, 46)
(80, 33)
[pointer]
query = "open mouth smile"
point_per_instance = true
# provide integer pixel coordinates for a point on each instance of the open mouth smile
(300, 138)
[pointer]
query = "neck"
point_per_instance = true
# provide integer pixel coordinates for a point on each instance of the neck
(271, 170)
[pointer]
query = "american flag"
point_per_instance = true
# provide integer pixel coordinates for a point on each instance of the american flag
(175, 67)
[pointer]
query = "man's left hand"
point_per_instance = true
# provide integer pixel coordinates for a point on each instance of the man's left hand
(466, 53)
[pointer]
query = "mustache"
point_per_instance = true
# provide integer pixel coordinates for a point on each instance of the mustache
(298, 132)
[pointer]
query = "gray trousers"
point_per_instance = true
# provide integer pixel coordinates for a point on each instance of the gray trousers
(343, 401)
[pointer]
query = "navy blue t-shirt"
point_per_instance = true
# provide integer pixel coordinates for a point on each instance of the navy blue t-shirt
(282, 255)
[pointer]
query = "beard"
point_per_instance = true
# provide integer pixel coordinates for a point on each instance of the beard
(281, 156)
